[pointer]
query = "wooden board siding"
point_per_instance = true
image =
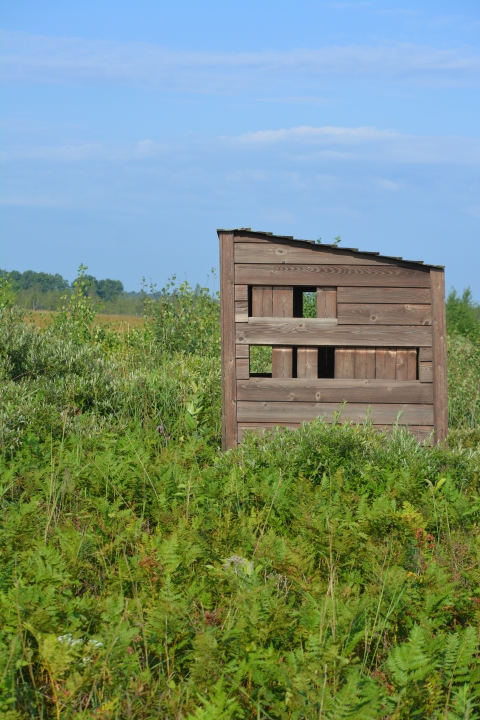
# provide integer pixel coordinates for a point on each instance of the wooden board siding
(241, 292)
(282, 362)
(241, 310)
(331, 275)
(309, 331)
(275, 253)
(242, 351)
(365, 363)
(262, 301)
(387, 295)
(406, 365)
(283, 302)
(439, 354)
(386, 314)
(326, 302)
(334, 390)
(385, 363)
(425, 371)
(425, 353)
(307, 362)
(242, 368)
(227, 324)
(344, 363)
(379, 414)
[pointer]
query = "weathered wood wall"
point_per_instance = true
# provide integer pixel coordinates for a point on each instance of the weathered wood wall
(384, 320)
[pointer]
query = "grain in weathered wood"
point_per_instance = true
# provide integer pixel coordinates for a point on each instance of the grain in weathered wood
(334, 390)
(227, 323)
(277, 252)
(426, 371)
(406, 364)
(379, 414)
(326, 302)
(262, 301)
(439, 354)
(242, 351)
(307, 362)
(422, 433)
(388, 295)
(263, 427)
(243, 368)
(241, 292)
(241, 311)
(365, 363)
(384, 314)
(425, 353)
(385, 363)
(345, 363)
(311, 331)
(283, 302)
(282, 362)
(250, 239)
(331, 275)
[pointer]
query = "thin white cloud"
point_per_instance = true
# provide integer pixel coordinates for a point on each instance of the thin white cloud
(39, 59)
(303, 145)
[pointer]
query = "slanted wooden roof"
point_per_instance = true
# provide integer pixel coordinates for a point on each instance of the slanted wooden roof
(271, 236)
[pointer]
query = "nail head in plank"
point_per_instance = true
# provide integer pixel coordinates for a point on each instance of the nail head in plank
(331, 275)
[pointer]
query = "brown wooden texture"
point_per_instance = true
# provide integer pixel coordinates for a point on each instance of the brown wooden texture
(385, 363)
(426, 371)
(242, 351)
(283, 302)
(406, 364)
(439, 346)
(334, 390)
(386, 314)
(421, 432)
(426, 353)
(243, 368)
(345, 363)
(263, 427)
(331, 275)
(307, 362)
(278, 252)
(365, 363)
(241, 311)
(326, 302)
(388, 295)
(227, 323)
(379, 414)
(241, 292)
(250, 239)
(262, 301)
(282, 362)
(310, 331)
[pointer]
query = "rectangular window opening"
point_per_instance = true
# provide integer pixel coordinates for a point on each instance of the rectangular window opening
(260, 361)
(305, 302)
(326, 362)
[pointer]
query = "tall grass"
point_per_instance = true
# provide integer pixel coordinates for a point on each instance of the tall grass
(330, 572)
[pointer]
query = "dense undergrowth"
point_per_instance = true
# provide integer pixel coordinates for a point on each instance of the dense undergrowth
(327, 573)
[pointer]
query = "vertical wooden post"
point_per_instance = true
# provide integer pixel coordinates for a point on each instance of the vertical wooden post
(439, 347)
(282, 357)
(227, 326)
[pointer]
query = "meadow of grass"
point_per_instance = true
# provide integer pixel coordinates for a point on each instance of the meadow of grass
(331, 572)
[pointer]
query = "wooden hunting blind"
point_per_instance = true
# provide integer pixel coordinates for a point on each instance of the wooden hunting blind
(377, 343)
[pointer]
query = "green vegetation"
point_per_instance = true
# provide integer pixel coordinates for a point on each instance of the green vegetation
(330, 572)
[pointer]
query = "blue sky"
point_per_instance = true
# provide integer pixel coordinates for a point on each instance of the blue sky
(130, 131)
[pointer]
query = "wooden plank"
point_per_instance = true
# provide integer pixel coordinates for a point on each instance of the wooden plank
(415, 296)
(364, 363)
(242, 351)
(283, 302)
(227, 324)
(401, 369)
(282, 362)
(326, 302)
(250, 239)
(277, 252)
(421, 432)
(307, 362)
(262, 301)
(439, 345)
(425, 371)
(311, 331)
(241, 292)
(379, 414)
(426, 353)
(334, 391)
(263, 427)
(242, 368)
(331, 275)
(386, 314)
(241, 311)
(412, 364)
(385, 363)
(345, 363)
